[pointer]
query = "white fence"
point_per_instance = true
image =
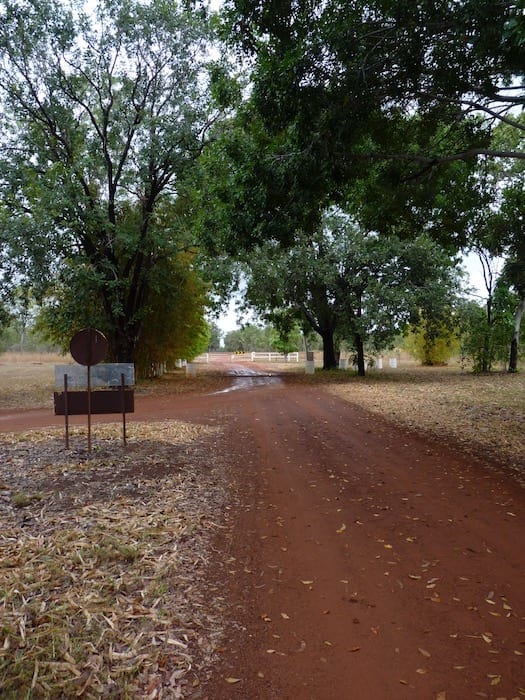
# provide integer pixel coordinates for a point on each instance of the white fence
(344, 363)
(208, 357)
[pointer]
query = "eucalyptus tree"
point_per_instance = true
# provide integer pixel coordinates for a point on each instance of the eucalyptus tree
(508, 229)
(105, 114)
(496, 229)
(348, 282)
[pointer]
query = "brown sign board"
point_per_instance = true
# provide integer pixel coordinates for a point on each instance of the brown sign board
(104, 401)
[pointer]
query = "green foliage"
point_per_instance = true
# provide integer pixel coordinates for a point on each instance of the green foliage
(356, 104)
(485, 333)
(250, 338)
(105, 117)
(357, 285)
(214, 344)
(288, 336)
(172, 324)
(432, 344)
(175, 323)
(14, 339)
(5, 317)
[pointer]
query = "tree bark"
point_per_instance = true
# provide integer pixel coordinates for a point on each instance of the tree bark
(515, 342)
(329, 359)
(360, 353)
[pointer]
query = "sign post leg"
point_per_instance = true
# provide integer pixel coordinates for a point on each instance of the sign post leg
(66, 412)
(89, 407)
(123, 395)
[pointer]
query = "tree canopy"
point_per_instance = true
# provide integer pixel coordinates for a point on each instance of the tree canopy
(368, 96)
(361, 286)
(104, 116)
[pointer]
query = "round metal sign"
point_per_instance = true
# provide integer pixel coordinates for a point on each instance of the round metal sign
(89, 347)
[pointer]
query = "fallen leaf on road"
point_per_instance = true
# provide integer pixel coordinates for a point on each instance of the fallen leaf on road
(341, 529)
(232, 680)
(307, 583)
(285, 616)
(495, 679)
(424, 652)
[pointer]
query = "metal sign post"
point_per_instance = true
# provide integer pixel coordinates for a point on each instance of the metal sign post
(92, 389)
(89, 347)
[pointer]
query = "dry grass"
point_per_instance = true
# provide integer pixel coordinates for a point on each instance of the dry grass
(101, 560)
(27, 379)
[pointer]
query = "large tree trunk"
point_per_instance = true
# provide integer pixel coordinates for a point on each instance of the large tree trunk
(360, 353)
(329, 359)
(123, 342)
(515, 342)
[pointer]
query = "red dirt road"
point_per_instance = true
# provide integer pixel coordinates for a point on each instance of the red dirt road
(361, 562)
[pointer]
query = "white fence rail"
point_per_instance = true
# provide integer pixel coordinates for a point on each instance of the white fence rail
(208, 357)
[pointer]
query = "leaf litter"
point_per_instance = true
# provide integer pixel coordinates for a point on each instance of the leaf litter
(482, 413)
(101, 569)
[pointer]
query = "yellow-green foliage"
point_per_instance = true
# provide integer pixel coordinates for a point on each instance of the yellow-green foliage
(431, 348)
(175, 325)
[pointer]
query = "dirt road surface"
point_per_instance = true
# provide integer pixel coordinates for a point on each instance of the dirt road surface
(360, 561)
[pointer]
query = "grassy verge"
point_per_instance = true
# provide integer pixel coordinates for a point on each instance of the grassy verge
(101, 559)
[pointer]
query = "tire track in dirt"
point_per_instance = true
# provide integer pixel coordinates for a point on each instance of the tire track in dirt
(367, 562)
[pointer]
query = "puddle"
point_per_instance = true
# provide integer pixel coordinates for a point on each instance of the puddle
(246, 378)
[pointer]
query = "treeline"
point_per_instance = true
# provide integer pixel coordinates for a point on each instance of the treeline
(333, 160)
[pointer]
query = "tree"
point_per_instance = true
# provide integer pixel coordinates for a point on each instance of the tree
(363, 286)
(432, 344)
(215, 337)
(484, 338)
(508, 237)
(249, 338)
(5, 317)
(324, 68)
(497, 228)
(173, 324)
(104, 117)
(341, 88)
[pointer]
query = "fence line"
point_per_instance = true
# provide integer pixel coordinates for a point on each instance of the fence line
(208, 357)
